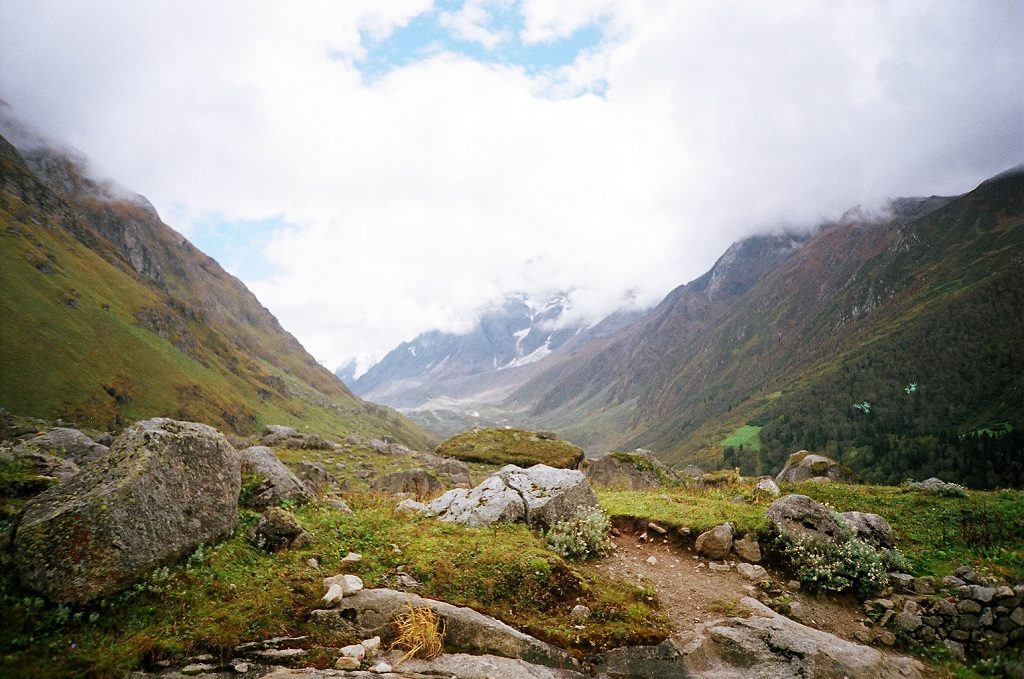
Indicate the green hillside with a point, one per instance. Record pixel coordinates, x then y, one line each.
111 316
819 347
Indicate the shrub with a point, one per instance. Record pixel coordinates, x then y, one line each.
582 536
849 565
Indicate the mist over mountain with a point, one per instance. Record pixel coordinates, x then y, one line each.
771 350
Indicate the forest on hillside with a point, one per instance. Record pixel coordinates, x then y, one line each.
935 398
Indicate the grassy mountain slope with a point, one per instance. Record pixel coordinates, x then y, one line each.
930 295
110 316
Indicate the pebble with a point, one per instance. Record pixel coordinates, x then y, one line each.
381 668
652 561
352 557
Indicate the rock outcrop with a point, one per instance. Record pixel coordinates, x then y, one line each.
764 644
539 496
807 466
798 516
278 482
638 470
371 612
164 488
70 444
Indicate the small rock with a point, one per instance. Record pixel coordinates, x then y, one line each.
656 528
371 646
352 557
579 612
864 635
748 549
715 543
886 638
346 663
240 667
381 668
796 611
406 580
793 585
767 485
751 571
356 651
313 563
968 606
652 561
197 668
720 567
410 505
923 586
349 584
955 648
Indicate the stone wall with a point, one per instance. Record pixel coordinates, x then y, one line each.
970 618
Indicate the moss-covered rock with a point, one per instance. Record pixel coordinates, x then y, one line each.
807 466
638 470
512 446
165 488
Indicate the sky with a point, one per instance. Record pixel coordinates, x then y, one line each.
373 169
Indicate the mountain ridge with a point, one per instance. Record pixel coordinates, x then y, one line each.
90 265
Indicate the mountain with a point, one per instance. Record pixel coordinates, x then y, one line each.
449 381
109 315
888 341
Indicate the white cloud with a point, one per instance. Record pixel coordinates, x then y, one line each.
418 198
472 22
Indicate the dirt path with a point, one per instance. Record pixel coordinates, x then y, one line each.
691 592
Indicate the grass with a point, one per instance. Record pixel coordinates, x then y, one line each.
747 436
233 593
511 446
71 306
935 534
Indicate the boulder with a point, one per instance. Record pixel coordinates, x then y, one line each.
871 528
416 482
767 644
490 502
540 496
164 488
768 486
748 549
276 530
798 516
449 471
44 464
807 466
638 470
940 487
715 543
278 482
274 434
371 612
70 444
314 475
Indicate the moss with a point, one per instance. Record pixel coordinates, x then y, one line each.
511 446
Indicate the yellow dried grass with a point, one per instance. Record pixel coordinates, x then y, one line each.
419 633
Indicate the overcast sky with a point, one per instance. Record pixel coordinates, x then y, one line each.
373 169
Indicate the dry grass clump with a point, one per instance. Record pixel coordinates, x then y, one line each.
419 633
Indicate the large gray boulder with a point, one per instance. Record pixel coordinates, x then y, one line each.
164 488
764 644
807 466
278 482
767 644
871 528
798 516
371 612
540 496
638 470
70 444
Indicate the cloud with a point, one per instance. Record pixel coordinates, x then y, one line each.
472 22
411 200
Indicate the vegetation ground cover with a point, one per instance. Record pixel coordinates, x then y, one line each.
233 592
